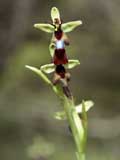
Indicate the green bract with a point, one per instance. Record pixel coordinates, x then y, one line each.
45 27
69 26
55 14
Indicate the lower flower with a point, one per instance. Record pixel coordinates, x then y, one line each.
62 77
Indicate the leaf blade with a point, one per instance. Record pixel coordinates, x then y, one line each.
40 73
88 105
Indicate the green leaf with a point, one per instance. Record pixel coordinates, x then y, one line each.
69 26
48 68
72 63
60 115
52 49
88 105
40 73
55 13
45 27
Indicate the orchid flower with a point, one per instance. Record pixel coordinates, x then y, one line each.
59 38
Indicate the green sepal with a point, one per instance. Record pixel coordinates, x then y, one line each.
48 68
72 63
88 104
55 13
69 26
45 27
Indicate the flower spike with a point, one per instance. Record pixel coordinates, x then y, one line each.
76 115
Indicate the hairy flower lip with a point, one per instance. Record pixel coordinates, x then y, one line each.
60 57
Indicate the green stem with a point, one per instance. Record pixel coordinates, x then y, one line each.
77 128
78 125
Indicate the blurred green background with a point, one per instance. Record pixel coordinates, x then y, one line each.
27 105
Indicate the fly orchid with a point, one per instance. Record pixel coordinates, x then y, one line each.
59 38
76 115
61 75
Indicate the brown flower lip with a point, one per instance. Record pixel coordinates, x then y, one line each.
60 56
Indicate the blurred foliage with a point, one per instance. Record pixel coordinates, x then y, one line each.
27 105
40 148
